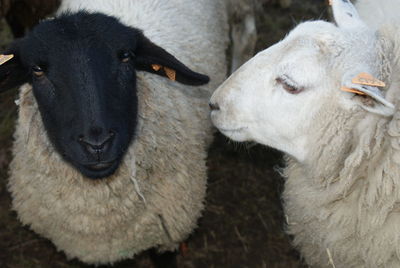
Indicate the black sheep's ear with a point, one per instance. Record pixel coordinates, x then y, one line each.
12 72
154 59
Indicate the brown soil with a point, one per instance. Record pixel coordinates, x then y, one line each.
243 223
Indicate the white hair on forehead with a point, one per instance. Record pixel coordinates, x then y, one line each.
316 34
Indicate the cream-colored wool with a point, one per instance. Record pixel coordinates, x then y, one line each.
157 194
345 199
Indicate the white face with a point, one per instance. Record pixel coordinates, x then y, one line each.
274 98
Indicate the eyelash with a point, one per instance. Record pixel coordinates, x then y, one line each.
290 88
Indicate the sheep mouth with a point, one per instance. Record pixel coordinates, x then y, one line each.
99 170
99 166
225 130
237 134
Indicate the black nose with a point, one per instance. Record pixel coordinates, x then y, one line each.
98 144
214 106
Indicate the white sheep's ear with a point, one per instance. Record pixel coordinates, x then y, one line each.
346 15
368 88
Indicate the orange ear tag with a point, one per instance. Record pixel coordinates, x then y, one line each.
352 90
170 73
368 80
5 58
156 67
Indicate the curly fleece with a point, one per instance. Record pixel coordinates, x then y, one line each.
343 203
157 194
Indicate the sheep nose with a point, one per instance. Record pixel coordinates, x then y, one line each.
214 106
96 147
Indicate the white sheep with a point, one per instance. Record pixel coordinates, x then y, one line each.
156 195
328 95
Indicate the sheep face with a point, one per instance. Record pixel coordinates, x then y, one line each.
274 98
83 71
271 98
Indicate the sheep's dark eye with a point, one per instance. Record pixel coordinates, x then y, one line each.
37 71
125 56
288 87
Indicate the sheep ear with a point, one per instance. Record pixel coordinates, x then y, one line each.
154 59
12 72
370 96
346 15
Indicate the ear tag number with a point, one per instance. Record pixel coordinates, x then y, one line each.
171 74
5 58
368 80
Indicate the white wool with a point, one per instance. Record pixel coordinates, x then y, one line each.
342 189
375 12
156 196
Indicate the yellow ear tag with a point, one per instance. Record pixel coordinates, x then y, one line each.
170 73
156 67
5 58
368 80
352 90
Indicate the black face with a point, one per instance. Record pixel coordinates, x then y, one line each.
82 67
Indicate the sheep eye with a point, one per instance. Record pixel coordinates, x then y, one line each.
125 56
288 87
37 71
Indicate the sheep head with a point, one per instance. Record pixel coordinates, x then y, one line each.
273 98
82 68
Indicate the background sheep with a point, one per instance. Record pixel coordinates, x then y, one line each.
342 193
243 31
156 195
242 22
24 14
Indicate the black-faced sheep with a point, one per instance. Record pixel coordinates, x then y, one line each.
328 96
108 158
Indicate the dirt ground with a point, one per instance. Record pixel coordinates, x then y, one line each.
243 223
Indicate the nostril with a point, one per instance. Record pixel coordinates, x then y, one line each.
214 106
95 147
